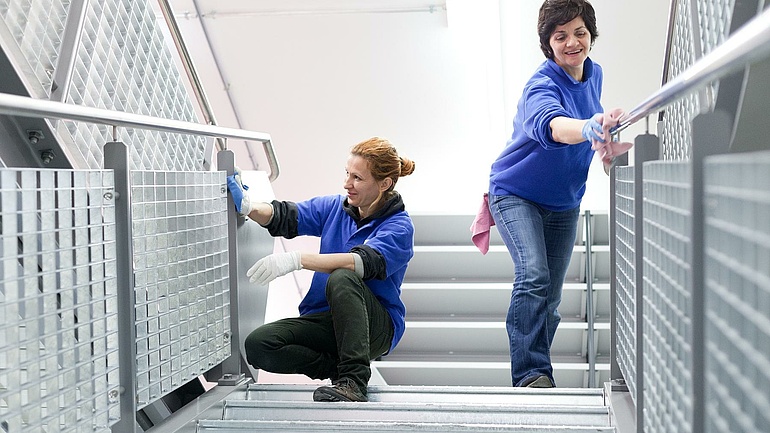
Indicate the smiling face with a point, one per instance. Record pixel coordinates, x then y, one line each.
364 191
571 43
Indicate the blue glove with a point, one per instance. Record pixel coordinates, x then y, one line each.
592 129
238 192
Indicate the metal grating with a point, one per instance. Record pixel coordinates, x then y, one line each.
714 22
181 277
713 27
123 64
58 330
37 27
737 293
675 133
625 256
667 317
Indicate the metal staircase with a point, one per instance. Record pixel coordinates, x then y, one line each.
457 299
289 408
450 373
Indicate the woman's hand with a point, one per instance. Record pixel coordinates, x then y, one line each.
593 129
273 266
238 193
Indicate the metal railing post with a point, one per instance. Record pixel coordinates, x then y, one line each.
590 303
646 148
116 157
711 136
231 370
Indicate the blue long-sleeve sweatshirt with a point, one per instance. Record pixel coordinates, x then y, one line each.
388 234
535 167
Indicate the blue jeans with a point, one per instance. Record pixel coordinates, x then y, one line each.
541 243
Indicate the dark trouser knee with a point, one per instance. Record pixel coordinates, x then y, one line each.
256 350
341 281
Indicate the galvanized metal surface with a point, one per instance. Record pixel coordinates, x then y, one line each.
465 413
384 427
59 302
445 394
737 293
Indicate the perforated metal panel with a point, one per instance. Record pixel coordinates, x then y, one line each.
181 277
625 257
738 293
676 133
124 64
37 27
711 26
667 320
58 330
714 22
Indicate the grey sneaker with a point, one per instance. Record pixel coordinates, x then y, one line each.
541 381
344 389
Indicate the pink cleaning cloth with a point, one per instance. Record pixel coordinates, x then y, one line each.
481 225
610 149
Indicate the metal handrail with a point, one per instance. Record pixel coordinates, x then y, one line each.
750 43
15 105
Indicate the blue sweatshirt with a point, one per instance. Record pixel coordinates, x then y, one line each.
389 233
535 167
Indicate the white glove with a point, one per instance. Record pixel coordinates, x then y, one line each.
273 266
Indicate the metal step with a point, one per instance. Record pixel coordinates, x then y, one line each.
443 394
440 372
484 338
455 229
464 263
482 301
449 413
447 230
236 426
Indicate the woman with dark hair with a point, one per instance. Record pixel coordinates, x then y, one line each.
538 181
353 311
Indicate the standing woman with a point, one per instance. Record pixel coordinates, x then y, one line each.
538 181
353 311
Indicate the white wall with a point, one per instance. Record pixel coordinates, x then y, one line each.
441 86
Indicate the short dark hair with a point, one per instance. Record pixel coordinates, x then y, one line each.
554 13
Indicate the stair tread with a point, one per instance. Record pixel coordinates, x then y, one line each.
493 324
490 413
476 285
388 426
417 394
471 359
506 364
419 406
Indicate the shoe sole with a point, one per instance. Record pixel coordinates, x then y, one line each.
541 382
331 396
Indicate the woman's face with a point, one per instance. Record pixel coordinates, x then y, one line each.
363 189
571 43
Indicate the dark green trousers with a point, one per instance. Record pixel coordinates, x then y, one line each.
333 344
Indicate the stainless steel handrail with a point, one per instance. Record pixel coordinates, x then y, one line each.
15 105
750 43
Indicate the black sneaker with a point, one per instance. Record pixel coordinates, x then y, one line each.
541 381
344 389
